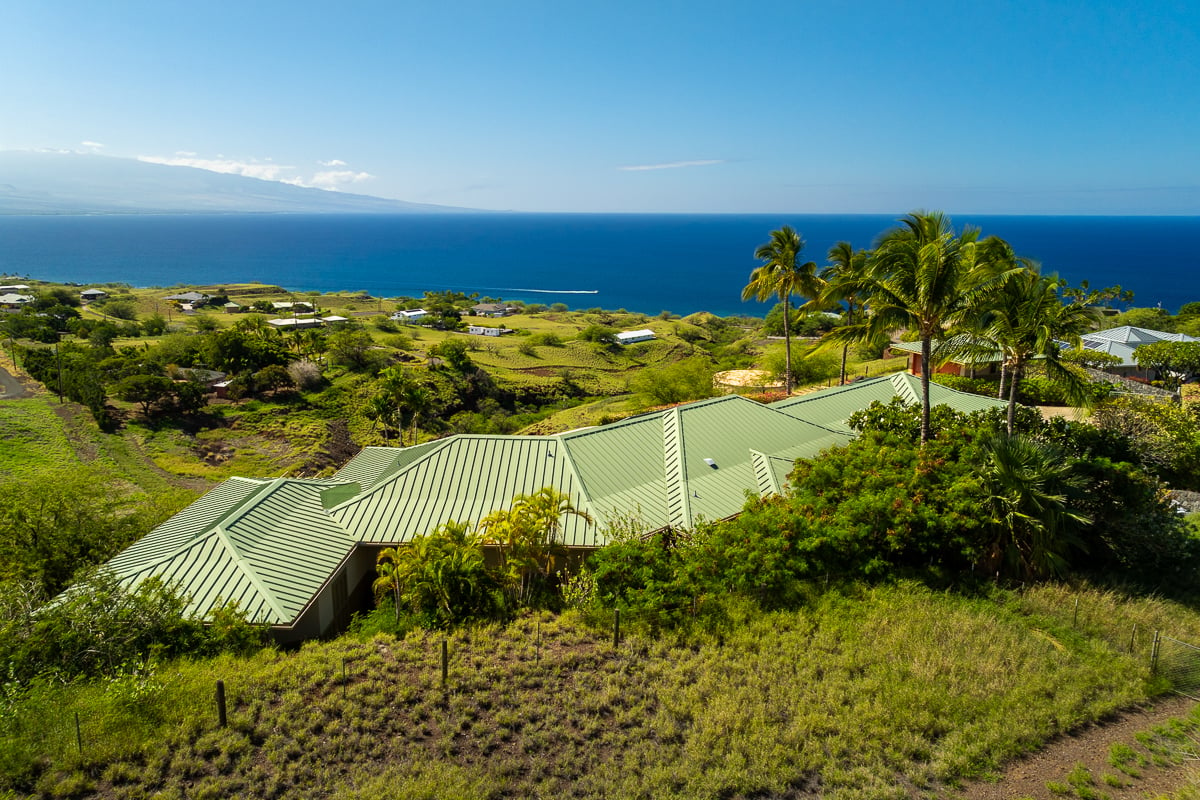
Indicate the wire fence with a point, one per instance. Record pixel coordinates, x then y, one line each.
1179 663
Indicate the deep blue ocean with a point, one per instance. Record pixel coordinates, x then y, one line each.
648 263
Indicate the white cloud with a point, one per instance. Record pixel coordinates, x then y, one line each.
267 170
673 165
335 180
251 169
93 145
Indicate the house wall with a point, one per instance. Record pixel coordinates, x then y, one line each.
347 592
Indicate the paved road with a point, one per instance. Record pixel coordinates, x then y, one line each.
10 387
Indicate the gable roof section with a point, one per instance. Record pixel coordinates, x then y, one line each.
714 446
651 468
832 408
374 464
465 478
620 469
268 545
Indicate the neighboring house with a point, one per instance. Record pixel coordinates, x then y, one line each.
299 555
632 337
1122 341
13 301
410 316
292 323
16 288
193 299
493 310
232 308
210 379
981 368
298 307
483 330
88 295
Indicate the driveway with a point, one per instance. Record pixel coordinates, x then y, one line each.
10 387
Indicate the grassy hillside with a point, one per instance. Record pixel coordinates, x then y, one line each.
869 692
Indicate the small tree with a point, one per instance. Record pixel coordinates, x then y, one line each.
145 390
1172 362
272 378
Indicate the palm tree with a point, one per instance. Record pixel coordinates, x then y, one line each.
527 538
924 277
1029 510
781 275
845 282
410 397
1026 320
389 568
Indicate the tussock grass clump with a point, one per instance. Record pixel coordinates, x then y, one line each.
865 690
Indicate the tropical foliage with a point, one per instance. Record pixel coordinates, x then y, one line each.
782 275
440 577
925 277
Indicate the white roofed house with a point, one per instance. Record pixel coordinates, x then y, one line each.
631 337
13 301
409 316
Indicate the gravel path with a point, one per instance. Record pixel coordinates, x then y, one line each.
1090 747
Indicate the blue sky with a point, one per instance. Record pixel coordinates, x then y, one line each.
970 107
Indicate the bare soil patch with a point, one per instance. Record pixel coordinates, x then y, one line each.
1090 746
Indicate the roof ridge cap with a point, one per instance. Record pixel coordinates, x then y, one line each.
248 569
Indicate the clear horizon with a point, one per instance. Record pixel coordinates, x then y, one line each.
871 108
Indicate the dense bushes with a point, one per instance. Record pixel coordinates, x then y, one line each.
99 627
973 504
1034 389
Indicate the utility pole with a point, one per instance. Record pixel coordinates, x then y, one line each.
58 359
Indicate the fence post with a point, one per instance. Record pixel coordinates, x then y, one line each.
78 734
1075 619
221 718
537 645
616 628
445 662
1132 637
1154 655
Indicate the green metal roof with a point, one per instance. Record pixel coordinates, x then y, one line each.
373 464
833 407
651 467
464 478
271 545
268 545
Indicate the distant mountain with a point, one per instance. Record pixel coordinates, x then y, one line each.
76 183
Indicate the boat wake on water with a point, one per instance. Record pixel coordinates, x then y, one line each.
541 291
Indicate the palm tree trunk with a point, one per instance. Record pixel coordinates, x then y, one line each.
787 347
845 348
926 371
1014 379
1003 369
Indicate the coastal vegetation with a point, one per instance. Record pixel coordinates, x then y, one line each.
944 594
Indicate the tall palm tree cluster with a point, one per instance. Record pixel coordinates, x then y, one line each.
962 296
